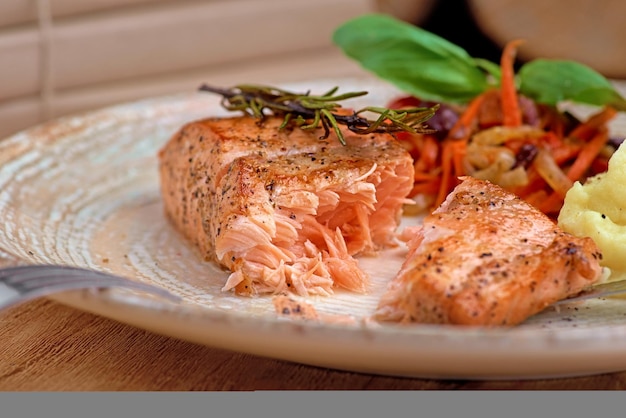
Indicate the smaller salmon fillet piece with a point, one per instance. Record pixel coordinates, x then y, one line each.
282 209
486 257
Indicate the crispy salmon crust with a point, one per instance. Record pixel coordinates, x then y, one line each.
282 209
485 257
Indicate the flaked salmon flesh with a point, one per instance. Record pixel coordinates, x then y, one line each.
282 209
485 257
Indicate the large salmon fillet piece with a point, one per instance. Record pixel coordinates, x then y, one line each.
485 257
282 209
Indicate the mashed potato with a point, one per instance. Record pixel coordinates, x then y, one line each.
597 209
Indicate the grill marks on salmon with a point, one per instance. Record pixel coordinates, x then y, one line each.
485 257
280 208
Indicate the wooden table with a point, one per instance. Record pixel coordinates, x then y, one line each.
47 346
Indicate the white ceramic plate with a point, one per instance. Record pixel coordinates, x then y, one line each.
84 191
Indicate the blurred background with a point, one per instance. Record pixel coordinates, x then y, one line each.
59 57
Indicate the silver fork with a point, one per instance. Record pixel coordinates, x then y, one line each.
22 283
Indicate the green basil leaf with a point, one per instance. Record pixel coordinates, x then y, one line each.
416 61
490 67
553 81
601 96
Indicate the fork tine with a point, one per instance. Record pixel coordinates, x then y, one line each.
31 281
29 272
39 280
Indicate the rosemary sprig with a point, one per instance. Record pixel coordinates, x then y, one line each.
310 111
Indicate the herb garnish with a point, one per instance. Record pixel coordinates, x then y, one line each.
309 111
427 66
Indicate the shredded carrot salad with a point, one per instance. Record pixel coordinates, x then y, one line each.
531 149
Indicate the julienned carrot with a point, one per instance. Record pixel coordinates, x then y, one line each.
446 172
427 188
429 152
588 153
587 129
451 151
458 157
426 177
552 141
535 182
510 106
452 167
453 147
553 122
536 197
550 205
464 125
565 152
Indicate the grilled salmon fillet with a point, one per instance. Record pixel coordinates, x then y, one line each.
485 257
282 209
